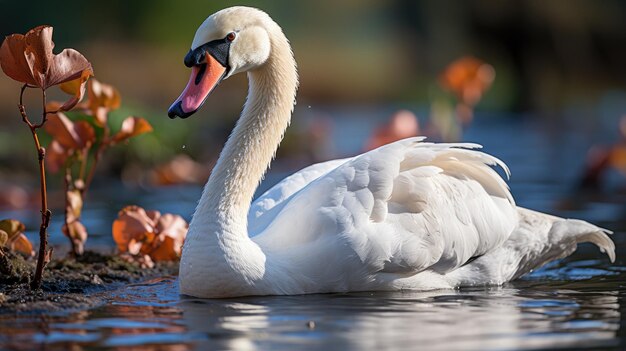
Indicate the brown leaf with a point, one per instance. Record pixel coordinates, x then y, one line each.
85 132
131 127
76 88
22 245
56 156
102 99
77 232
15 238
73 206
132 224
70 135
141 232
12 227
166 250
29 59
13 60
175 228
4 238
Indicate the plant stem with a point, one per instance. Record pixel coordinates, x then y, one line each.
68 184
104 143
44 255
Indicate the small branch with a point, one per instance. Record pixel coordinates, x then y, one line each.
44 115
84 158
44 255
104 143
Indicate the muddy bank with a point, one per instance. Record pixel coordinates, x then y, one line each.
68 283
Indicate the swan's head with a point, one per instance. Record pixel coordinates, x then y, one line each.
233 40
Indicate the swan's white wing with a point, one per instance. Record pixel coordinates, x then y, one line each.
264 208
403 208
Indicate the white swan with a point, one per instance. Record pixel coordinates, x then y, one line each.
409 215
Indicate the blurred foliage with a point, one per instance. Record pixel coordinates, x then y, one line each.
550 58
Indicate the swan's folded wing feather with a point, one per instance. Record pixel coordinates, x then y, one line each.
266 206
403 208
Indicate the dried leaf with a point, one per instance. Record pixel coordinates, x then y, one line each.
131 127
132 224
22 245
74 205
86 133
76 88
12 236
166 250
102 99
12 227
29 59
4 238
175 228
56 156
70 135
77 232
141 232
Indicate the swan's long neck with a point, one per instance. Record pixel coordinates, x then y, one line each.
252 145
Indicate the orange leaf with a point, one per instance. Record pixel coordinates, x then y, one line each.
68 134
166 250
141 232
131 127
76 88
174 227
132 224
29 59
22 245
468 78
15 240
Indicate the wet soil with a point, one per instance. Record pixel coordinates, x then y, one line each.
68 283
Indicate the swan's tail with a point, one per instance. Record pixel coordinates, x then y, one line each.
538 239
542 238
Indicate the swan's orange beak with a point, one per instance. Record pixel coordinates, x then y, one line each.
204 78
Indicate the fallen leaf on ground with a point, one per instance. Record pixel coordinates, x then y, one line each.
12 236
140 232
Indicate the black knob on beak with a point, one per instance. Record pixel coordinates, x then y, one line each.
176 110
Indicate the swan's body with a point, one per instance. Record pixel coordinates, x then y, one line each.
408 215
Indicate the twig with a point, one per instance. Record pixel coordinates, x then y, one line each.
44 255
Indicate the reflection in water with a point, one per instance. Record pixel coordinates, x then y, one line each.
554 307
497 318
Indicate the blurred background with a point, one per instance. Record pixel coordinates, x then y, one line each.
541 84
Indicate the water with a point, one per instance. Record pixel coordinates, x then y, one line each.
576 303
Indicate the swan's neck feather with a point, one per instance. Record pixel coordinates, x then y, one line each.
251 146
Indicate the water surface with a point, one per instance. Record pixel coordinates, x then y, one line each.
576 303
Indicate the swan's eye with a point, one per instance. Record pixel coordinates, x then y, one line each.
231 36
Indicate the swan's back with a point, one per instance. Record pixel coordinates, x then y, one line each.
401 209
